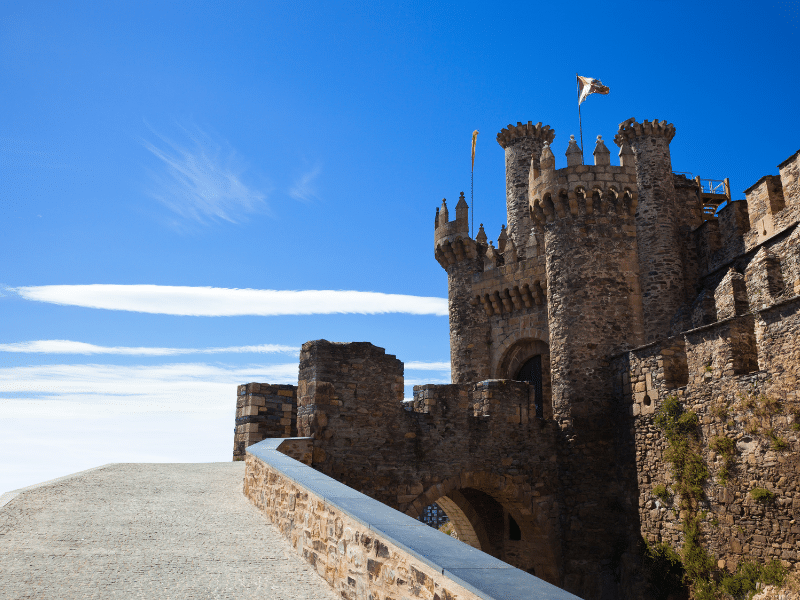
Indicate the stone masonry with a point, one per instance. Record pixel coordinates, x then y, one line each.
613 290
263 411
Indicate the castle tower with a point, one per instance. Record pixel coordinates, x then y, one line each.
660 263
462 257
593 293
522 144
594 311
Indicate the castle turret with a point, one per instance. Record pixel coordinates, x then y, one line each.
660 262
462 257
522 144
594 311
593 293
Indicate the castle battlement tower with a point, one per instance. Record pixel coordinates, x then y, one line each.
660 262
462 257
587 213
522 144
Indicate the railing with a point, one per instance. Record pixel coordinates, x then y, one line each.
716 187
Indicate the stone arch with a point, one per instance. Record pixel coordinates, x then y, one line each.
536 518
511 340
519 351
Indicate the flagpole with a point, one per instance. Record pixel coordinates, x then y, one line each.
472 200
580 119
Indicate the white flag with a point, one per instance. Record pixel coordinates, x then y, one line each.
587 85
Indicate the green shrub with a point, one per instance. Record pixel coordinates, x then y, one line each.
743 582
727 448
697 562
778 443
665 573
662 493
674 421
724 445
770 405
773 573
762 495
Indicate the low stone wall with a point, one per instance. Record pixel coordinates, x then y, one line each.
363 548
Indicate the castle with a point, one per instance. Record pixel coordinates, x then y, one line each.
615 295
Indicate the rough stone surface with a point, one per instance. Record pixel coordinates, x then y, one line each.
148 531
263 411
367 551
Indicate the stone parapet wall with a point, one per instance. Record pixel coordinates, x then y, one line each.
263 410
365 549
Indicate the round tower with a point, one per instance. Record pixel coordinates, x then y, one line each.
593 294
462 257
660 263
594 311
522 144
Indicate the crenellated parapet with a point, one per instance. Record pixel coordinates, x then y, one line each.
452 243
513 133
582 190
631 129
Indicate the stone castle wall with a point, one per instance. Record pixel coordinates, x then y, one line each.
753 409
596 261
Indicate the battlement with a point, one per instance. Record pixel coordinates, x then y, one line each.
511 134
581 190
630 129
452 242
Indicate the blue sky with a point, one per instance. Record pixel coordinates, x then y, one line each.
183 186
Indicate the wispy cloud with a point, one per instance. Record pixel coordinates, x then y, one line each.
423 366
226 302
72 347
201 178
304 188
75 391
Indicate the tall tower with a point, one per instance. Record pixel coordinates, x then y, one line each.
462 257
522 144
660 263
593 293
594 311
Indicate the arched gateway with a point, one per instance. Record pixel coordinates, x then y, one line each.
491 513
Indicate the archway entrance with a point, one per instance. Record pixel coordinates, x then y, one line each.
531 372
529 360
483 522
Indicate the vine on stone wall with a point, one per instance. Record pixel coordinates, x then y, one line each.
684 453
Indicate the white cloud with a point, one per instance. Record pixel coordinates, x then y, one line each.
226 302
423 366
201 179
304 189
72 347
88 390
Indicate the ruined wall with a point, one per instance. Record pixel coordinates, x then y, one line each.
475 437
774 202
263 410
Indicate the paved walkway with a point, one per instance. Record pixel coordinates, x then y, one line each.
148 531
